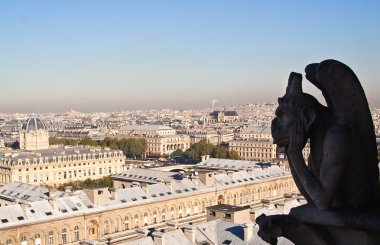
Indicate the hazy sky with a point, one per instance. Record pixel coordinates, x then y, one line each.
120 55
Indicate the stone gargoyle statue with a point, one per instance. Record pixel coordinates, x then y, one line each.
341 178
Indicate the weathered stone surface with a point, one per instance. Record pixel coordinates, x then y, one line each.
341 179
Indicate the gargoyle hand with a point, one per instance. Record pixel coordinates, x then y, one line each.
297 138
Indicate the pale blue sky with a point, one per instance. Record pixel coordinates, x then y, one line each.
118 55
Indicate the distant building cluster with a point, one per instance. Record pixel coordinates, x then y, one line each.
40 164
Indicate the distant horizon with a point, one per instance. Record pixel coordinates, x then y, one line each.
94 55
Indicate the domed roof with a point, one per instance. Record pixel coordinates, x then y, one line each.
33 123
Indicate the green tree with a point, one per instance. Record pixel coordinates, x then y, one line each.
177 153
88 141
196 151
232 154
133 147
220 152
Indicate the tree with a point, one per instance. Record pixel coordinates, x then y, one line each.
89 141
177 153
203 147
133 147
233 155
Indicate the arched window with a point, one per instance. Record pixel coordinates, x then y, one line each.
116 225
106 226
64 235
196 207
126 223
241 198
37 239
188 209
203 206
51 238
163 215
136 221
180 212
172 213
145 219
76 233
154 217
235 197
23 240
9 242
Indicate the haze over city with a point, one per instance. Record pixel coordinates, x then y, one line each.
121 55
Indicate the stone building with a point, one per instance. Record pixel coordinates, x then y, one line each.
154 205
34 135
221 117
254 149
55 166
162 140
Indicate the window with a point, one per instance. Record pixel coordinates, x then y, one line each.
105 227
163 216
136 221
126 223
9 242
76 233
37 239
180 212
145 219
23 240
64 235
154 217
116 225
51 238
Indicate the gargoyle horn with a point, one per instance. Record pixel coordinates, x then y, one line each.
294 85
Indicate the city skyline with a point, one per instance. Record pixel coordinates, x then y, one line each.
129 55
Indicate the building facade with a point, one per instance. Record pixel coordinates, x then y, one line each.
34 135
254 149
59 165
162 140
139 207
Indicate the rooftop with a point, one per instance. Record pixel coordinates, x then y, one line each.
227 208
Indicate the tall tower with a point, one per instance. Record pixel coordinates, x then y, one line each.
33 135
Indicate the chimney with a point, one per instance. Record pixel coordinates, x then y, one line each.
52 197
113 195
248 231
158 238
250 172
169 185
266 169
265 203
203 158
230 174
68 189
207 157
195 180
135 184
280 208
252 215
141 233
172 225
25 207
145 188
288 197
189 232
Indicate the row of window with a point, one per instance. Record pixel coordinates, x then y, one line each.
51 238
